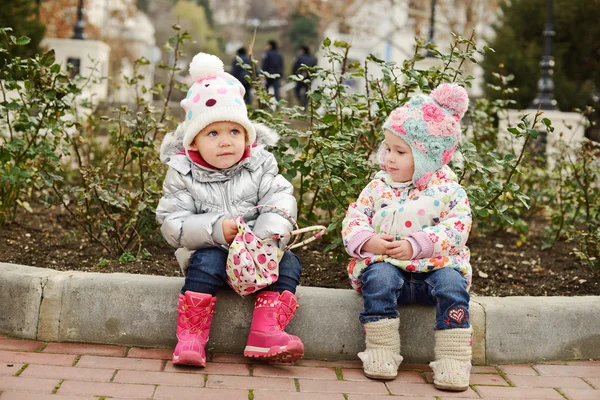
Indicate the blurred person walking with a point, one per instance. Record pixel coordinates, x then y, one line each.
273 64
304 58
240 73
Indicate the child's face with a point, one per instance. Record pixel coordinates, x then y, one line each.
221 144
399 160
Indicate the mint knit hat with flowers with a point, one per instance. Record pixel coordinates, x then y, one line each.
214 96
430 125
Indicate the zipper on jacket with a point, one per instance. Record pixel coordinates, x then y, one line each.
226 200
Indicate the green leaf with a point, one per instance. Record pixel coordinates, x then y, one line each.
512 186
533 133
523 198
341 44
13 105
25 205
508 219
23 40
102 262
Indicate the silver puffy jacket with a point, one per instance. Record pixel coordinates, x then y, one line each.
197 199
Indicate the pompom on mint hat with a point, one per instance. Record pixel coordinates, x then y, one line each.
214 96
430 125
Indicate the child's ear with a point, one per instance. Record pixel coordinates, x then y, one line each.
193 146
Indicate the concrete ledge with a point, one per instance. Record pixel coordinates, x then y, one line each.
139 310
21 293
520 329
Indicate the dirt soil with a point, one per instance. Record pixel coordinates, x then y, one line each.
49 238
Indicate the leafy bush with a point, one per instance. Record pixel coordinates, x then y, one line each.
111 188
331 157
114 192
36 98
575 207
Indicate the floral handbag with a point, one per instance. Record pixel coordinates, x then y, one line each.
253 263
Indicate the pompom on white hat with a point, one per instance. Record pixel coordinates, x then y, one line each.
214 96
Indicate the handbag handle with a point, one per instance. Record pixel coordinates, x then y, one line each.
297 231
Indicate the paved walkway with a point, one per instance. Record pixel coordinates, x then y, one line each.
66 371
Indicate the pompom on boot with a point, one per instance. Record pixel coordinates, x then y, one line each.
452 365
267 339
381 357
194 316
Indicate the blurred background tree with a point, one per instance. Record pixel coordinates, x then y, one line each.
194 18
22 16
304 30
519 46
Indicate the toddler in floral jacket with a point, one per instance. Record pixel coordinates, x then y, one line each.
406 234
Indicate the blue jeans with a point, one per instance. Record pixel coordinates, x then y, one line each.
206 272
385 286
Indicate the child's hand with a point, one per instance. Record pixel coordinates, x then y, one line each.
378 244
229 230
400 250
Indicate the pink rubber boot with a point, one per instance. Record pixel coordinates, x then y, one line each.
194 316
267 340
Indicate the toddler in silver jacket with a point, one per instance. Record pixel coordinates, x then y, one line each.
219 168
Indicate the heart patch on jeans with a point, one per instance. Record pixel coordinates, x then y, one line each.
457 315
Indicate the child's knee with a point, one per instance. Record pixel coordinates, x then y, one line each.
290 263
208 254
447 280
382 275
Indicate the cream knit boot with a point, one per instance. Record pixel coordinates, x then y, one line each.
452 365
382 358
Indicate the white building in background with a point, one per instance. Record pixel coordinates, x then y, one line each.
123 23
231 16
387 29
230 12
131 35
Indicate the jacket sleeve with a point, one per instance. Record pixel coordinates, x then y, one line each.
181 226
357 225
450 235
274 190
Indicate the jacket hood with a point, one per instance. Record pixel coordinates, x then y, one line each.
444 175
173 141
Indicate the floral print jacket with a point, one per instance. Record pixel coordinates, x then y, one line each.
436 215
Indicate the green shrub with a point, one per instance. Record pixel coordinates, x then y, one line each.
35 103
111 188
330 156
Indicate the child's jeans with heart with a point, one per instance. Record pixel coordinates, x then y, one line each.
206 272
385 286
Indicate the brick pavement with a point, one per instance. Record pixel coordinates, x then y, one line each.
64 371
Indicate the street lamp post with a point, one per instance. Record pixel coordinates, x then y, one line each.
80 24
545 97
431 27
74 63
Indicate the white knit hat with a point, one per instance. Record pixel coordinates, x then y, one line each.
214 96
